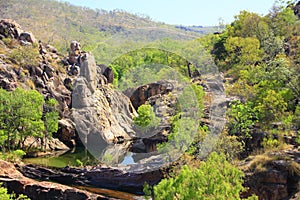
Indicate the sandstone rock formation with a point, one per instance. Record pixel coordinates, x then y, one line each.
278 178
74 54
141 94
15 182
67 132
118 178
88 71
99 114
10 29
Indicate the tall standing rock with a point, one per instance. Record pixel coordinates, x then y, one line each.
101 115
89 71
74 52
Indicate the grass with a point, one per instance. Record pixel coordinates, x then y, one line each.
30 83
262 162
294 168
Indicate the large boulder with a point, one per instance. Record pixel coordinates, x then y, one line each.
109 74
101 115
10 28
27 37
141 94
67 132
74 53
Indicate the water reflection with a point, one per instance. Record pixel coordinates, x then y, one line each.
125 154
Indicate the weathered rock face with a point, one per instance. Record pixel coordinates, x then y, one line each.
67 132
15 182
10 29
108 73
88 71
279 179
297 9
118 178
27 37
49 145
74 53
99 114
8 77
144 92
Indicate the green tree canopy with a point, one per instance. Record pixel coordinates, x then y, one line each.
21 116
214 179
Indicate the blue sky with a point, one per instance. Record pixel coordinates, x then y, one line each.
185 12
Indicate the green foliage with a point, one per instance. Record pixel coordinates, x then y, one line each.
51 117
147 189
231 145
246 24
296 119
258 54
5 196
146 117
242 119
242 50
146 63
271 107
270 143
183 133
14 156
79 163
191 97
283 21
185 127
215 179
20 116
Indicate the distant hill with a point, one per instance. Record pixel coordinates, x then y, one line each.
58 23
198 29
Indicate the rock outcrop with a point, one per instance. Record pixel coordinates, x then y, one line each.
273 179
100 114
10 29
296 9
104 110
15 182
128 179
141 94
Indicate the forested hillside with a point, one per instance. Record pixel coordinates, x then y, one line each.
260 58
58 23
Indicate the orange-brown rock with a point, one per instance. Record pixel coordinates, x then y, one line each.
15 182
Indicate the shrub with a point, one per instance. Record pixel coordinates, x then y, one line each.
270 143
5 196
214 179
146 117
14 156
